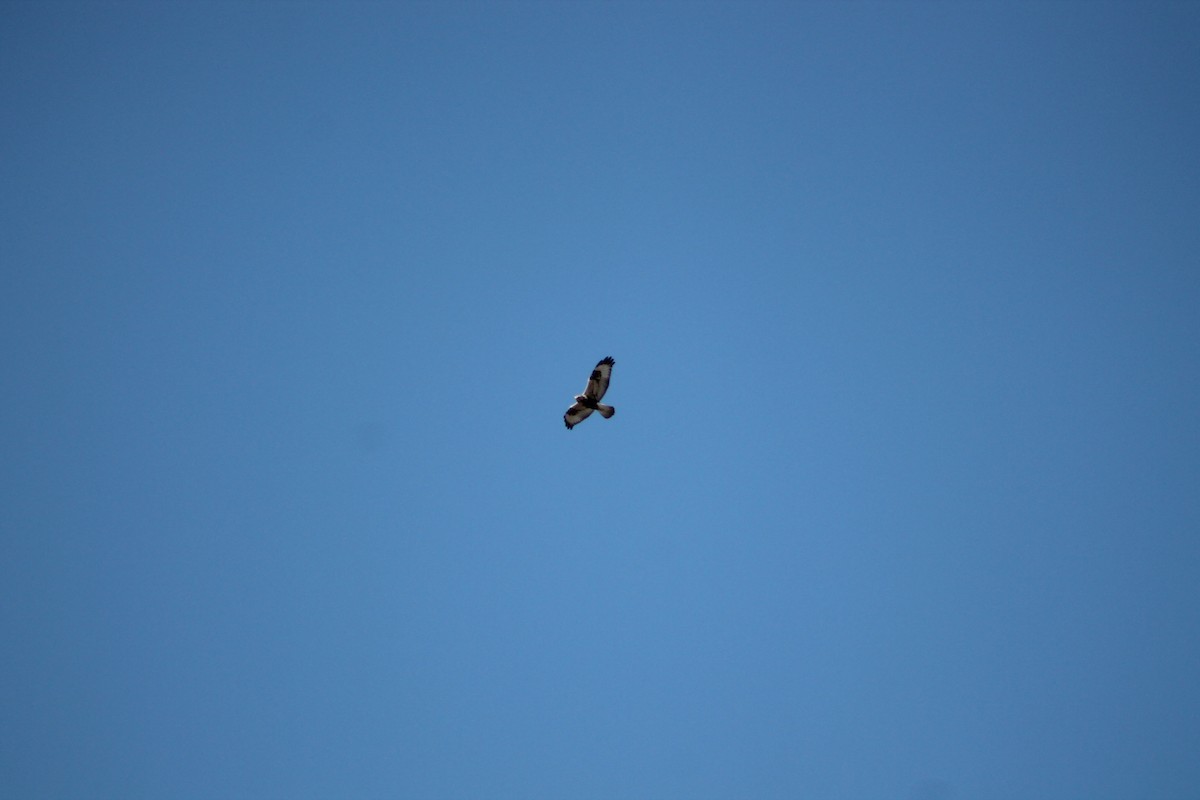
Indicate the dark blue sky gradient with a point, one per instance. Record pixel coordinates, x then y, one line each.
902 495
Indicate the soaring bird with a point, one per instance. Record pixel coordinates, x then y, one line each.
589 401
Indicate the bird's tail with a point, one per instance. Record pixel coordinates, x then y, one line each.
605 411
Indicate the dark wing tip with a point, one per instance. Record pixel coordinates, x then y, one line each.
606 360
567 423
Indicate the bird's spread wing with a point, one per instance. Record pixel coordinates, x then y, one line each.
576 414
597 384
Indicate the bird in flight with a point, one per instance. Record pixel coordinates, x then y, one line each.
589 401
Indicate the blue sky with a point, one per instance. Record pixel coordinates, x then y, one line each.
902 494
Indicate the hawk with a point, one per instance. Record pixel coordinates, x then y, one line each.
589 401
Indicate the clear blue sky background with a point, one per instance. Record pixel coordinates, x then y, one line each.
902 495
